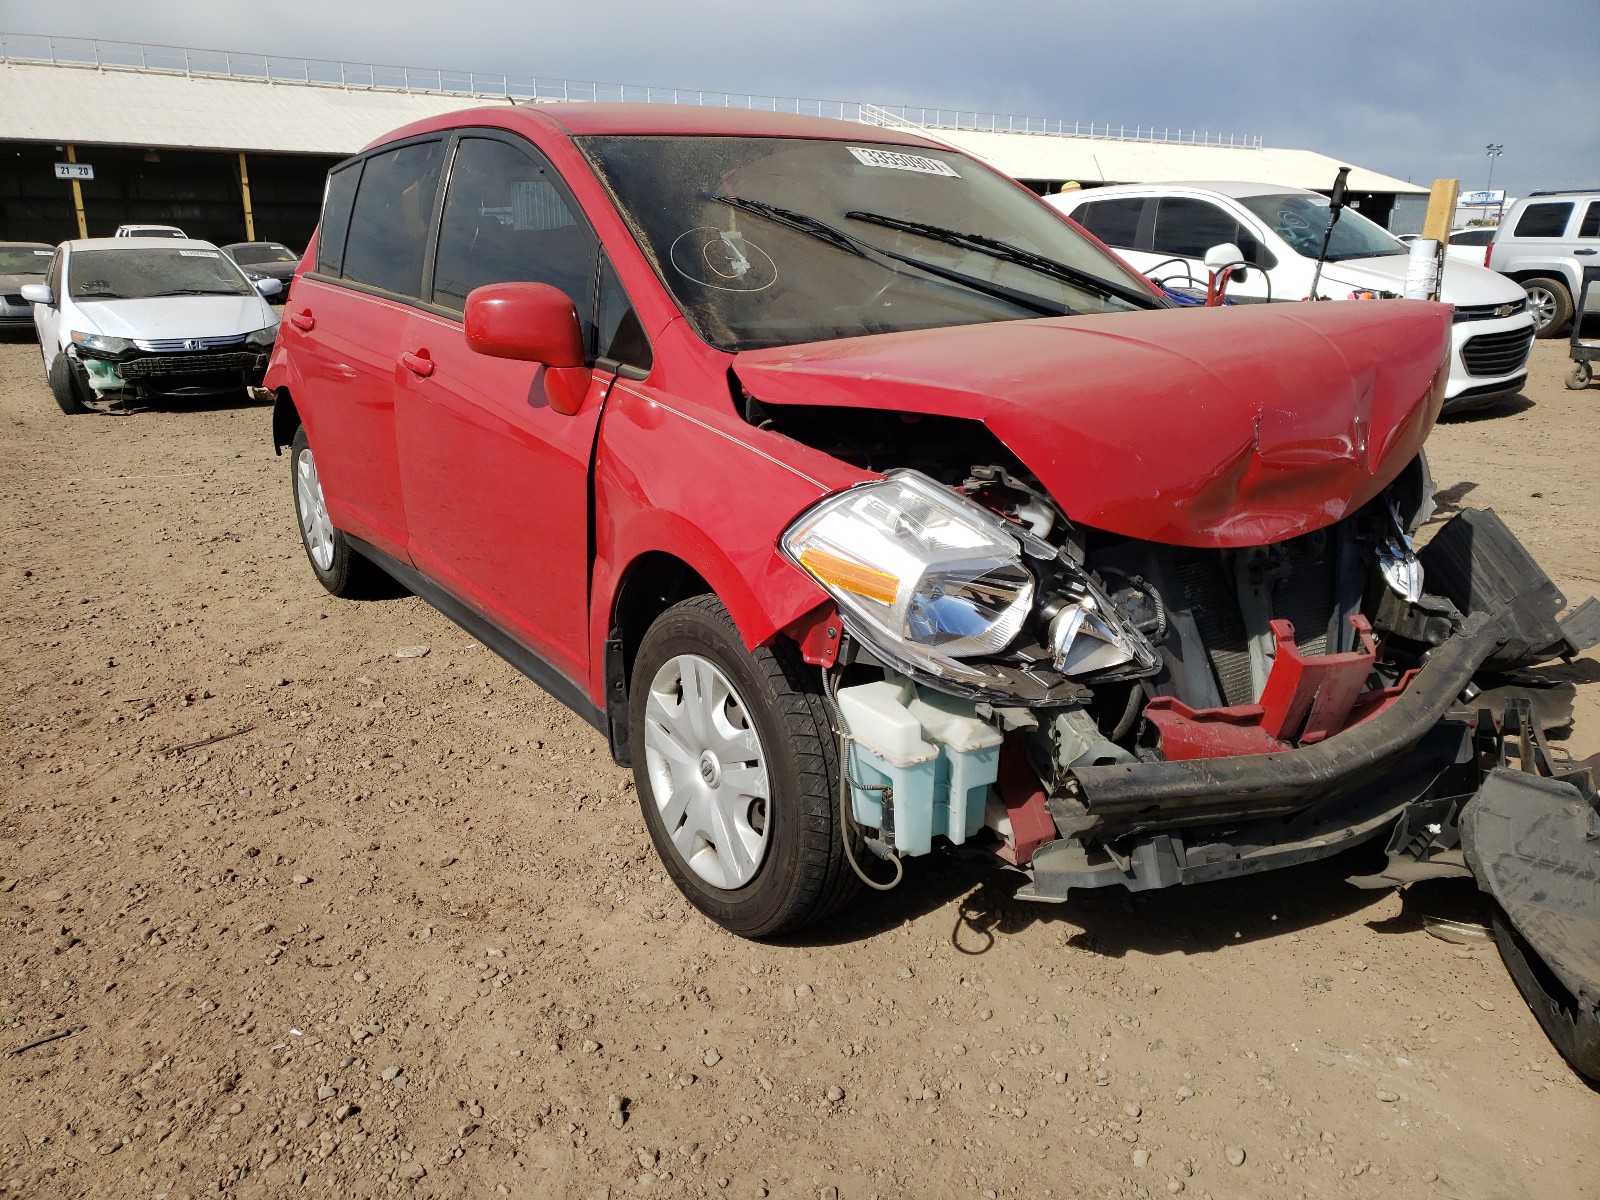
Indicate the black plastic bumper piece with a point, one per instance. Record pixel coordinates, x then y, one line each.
1534 845
1129 797
1437 777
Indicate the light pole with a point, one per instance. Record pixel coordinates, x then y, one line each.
1494 150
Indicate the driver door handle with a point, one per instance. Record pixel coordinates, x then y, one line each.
1585 250
419 364
303 320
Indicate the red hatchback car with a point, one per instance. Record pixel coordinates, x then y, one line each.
867 506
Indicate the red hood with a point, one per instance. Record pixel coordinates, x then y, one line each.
1196 427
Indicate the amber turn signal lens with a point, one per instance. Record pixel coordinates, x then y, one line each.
851 576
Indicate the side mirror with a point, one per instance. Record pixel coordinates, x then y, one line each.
38 293
269 287
1225 255
532 322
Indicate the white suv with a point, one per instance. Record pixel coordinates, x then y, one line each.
1544 243
1164 231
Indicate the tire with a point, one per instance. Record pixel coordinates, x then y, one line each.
774 862
1578 378
336 564
66 386
1550 303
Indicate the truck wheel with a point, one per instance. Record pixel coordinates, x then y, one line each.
66 386
1550 304
737 767
336 564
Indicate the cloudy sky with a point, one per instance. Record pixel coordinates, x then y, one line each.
1413 88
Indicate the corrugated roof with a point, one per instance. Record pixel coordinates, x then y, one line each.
121 107
81 104
1097 160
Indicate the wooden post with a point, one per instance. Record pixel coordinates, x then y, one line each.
77 194
244 186
1436 225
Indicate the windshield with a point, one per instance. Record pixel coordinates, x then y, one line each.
1301 221
25 260
264 252
141 274
774 241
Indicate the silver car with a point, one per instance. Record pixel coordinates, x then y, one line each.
1544 243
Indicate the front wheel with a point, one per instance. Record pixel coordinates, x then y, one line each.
736 767
337 565
1550 303
66 385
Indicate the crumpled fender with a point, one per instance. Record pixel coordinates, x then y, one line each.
705 487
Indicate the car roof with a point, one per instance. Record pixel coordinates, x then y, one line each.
135 243
1237 189
579 120
146 225
1564 192
26 246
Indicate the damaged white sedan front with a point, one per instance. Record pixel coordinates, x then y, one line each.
126 318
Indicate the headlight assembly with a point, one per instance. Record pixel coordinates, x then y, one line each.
263 338
100 345
920 574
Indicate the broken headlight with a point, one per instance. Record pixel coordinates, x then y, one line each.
920 574
1088 637
100 344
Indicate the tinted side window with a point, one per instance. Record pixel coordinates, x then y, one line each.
1473 237
1191 227
505 220
1114 222
1543 220
621 337
336 204
1591 220
389 225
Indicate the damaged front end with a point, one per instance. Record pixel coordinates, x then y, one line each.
1105 711
116 368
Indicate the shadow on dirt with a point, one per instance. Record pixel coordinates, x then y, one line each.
1509 407
1111 922
179 405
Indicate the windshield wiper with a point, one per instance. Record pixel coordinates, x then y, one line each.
822 231
197 292
1008 253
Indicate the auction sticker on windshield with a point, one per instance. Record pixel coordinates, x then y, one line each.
902 162
197 253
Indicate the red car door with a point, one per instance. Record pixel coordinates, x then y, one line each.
348 317
495 481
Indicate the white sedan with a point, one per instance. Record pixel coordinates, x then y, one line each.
149 317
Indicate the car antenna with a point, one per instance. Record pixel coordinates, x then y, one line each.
1335 207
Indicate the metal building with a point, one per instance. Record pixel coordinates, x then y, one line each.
234 146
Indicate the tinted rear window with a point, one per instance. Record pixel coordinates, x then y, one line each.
336 218
1543 220
1591 220
1114 222
389 224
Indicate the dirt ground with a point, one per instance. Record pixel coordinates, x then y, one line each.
400 931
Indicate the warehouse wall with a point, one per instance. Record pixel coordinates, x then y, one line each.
197 190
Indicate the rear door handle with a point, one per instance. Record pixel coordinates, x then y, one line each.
303 320
418 364
1585 250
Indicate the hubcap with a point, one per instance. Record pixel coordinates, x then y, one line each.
708 775
315 526
1543 305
